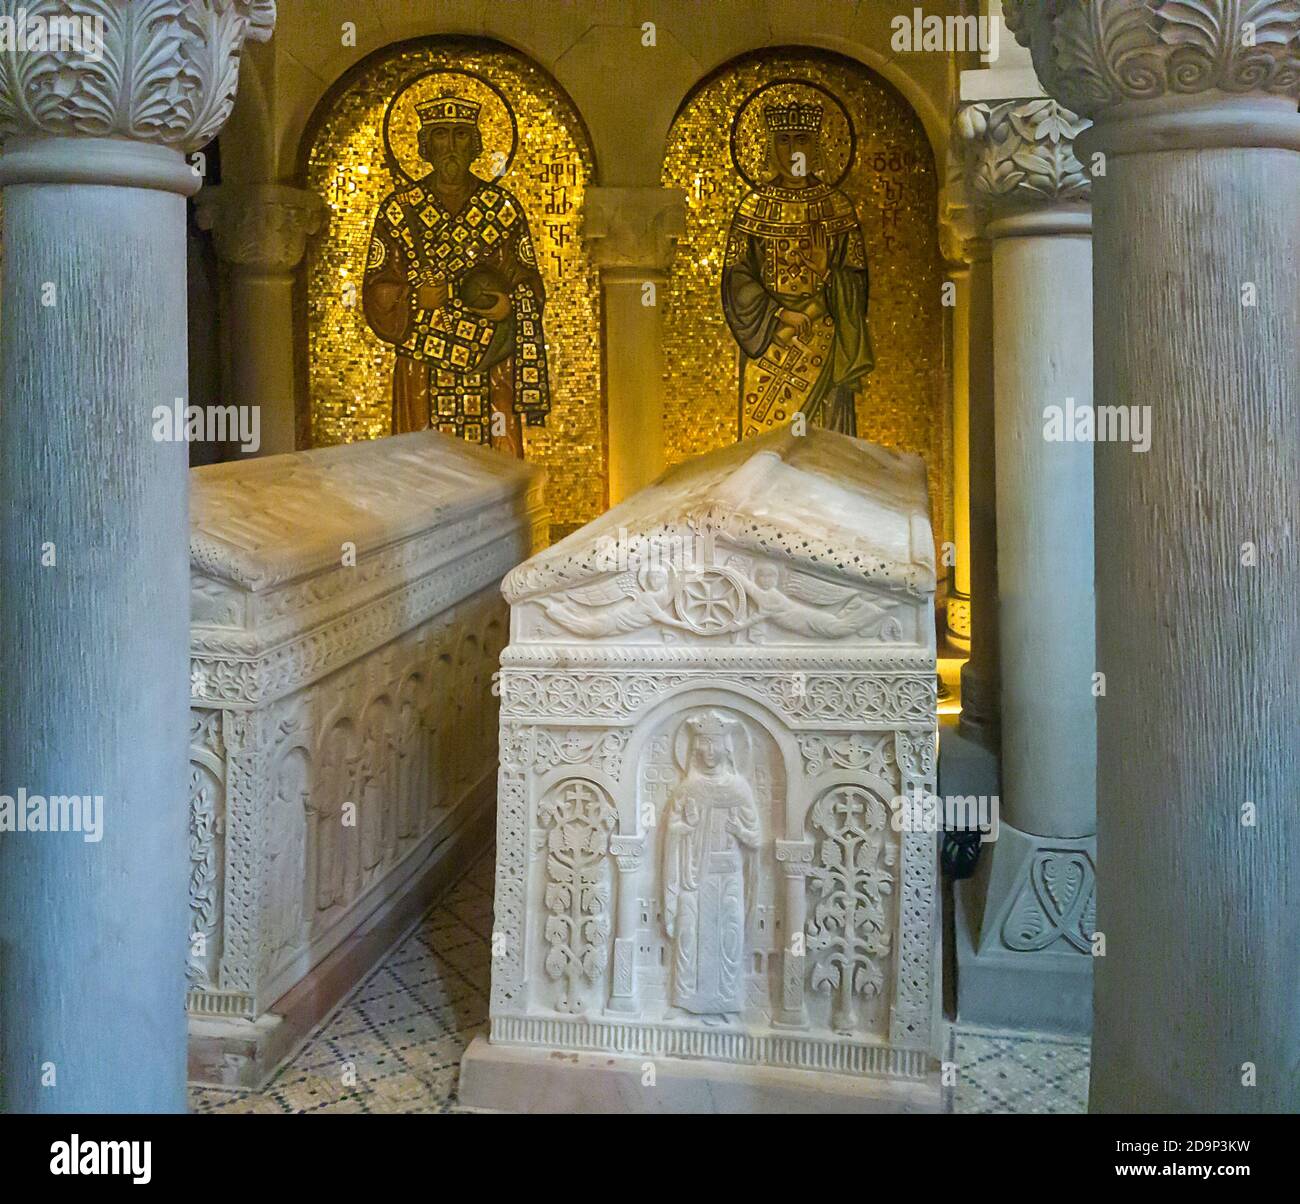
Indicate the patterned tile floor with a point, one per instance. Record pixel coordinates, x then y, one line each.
395 1044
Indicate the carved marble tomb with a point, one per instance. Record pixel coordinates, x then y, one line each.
346 627
713 700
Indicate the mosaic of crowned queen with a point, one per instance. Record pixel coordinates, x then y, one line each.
794 286
452 284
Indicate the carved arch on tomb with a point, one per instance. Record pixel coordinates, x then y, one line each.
374 787
333 845
733 697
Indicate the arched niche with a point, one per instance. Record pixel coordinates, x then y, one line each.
893 183
347 369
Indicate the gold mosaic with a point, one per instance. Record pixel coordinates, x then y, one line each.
891 180
349 370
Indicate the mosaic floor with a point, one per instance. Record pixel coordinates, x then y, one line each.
395 1044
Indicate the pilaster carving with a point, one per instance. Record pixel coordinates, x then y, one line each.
580 817
1020 153
634 229
263 227
166 75
1094 55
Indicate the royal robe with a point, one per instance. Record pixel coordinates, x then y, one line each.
817 371
711 820
455 368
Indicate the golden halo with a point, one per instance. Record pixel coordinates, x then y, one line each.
839 139
496 122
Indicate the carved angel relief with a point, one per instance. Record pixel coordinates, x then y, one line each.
745 598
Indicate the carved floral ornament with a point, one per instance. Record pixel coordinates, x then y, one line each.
1022 152
160 71
1095 54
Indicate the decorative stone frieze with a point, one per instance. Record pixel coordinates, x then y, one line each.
711 709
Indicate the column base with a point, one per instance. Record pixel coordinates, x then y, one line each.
1020 922
512 1078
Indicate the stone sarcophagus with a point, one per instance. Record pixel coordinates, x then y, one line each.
715 702
346 625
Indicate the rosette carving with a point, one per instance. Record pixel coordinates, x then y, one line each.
159 71
1094 54
1020 153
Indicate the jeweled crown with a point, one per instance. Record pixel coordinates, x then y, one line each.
448 109
793 117
707 725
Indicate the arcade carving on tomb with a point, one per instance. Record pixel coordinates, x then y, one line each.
343 710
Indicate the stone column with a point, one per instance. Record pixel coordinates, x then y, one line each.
969 760
958 610
1198 615
261 232
980 684
1026 917
632 232
628 853
795 859
94 633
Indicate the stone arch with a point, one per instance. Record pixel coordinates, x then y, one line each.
732 696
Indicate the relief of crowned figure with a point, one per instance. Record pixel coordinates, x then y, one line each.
711 821
794 281
452 284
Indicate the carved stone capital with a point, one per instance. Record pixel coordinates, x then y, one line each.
1019 154
795 857
1100 57
634 229
162 73
263 227
628 852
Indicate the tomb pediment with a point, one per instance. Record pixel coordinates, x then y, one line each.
778 540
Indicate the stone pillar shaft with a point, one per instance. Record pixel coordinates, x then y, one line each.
959 590
628 853
1202 697
632 231
1198 617
94 933
795 858
261 232
980 689
94 552
1042 283
1023 920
